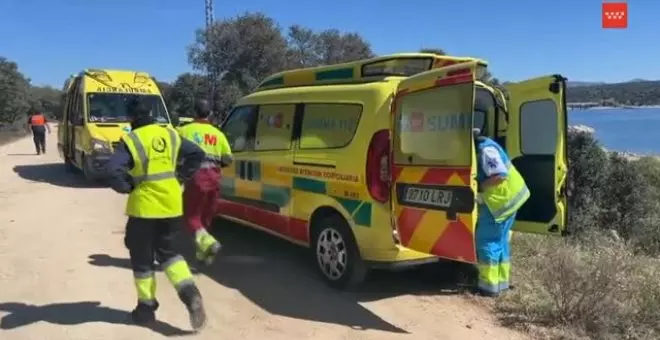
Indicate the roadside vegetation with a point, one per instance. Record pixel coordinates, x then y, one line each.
601 282
18 97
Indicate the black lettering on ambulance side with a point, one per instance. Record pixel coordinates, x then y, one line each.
122 90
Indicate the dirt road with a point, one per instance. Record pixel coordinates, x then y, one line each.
64 275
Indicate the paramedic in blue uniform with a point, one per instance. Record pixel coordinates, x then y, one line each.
502 191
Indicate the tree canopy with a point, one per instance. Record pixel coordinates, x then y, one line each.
14 92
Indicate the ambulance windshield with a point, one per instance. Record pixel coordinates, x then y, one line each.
112 107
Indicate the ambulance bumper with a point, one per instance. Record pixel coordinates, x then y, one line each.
397 258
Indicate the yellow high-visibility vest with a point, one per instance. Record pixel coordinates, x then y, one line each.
157 192
209 138
507 197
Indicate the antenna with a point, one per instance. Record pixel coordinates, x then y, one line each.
211 72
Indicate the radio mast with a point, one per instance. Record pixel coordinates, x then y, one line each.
211 72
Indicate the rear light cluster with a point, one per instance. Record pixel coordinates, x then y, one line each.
378 166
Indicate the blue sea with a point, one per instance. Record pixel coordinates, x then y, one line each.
633 130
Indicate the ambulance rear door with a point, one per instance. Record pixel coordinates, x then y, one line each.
433 162
536 141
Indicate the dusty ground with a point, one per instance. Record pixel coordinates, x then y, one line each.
63 275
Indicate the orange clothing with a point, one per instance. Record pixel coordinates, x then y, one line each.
37 120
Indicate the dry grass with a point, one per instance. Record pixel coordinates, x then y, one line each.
591 288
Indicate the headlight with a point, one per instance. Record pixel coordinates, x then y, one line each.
100 145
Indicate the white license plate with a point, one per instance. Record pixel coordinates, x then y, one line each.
427 196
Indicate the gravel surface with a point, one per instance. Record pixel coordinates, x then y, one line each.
64 275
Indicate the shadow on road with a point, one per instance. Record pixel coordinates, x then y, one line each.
53 173
277 277
22 154
73 313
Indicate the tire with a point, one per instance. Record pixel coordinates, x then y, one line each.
87 173
335 253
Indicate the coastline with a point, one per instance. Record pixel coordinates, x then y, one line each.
623 107
629 155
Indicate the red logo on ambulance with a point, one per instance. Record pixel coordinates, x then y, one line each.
417 122
275 121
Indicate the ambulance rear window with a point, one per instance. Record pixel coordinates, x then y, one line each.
434 127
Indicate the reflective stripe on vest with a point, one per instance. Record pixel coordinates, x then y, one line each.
144 160
501 212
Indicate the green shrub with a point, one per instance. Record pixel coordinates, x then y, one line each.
593 287
602 282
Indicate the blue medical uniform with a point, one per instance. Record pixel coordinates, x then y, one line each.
492 241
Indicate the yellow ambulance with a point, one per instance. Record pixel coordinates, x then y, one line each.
371 164
94 115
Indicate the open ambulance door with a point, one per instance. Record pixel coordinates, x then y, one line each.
536 142
433 162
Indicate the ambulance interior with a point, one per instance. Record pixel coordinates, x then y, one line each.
490 115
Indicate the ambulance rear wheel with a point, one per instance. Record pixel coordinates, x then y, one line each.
336 254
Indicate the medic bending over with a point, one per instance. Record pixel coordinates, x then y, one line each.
502 191
200 194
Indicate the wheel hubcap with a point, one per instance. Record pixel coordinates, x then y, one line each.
331 253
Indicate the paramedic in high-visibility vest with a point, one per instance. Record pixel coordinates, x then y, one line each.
38 124
144 166
200 195
502 191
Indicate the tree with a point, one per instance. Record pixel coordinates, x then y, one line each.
185 90
246 49
165 89
333 47
46 100
243 50
302 44
14 92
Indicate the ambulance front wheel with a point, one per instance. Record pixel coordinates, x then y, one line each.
336 254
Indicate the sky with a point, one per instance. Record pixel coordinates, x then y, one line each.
521 39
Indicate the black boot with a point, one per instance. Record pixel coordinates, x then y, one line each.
192 298
144 314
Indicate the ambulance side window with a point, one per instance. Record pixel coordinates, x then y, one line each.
71 101
538 127
77 107
239 128
274 127
329 126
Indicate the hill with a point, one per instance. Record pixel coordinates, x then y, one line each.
634 93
